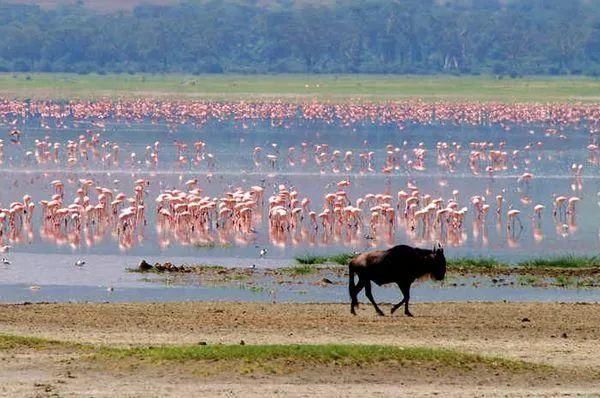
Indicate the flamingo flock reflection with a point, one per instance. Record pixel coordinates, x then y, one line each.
187 216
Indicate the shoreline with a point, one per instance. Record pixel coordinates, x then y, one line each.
336 88
478 280
135 348
579 272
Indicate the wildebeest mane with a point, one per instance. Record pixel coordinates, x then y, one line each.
394 253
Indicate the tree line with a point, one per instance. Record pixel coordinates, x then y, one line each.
502 37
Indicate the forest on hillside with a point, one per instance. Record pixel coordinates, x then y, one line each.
501 37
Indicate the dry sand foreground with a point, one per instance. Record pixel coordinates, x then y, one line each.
565 336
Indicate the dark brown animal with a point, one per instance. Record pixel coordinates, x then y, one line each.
401 265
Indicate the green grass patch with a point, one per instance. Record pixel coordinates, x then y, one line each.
300 270
565 281
207 360
325 354
247 358
529 280
480 262
308 259
341 259
252 288
11 342
569 261
209 267
142 271
299 87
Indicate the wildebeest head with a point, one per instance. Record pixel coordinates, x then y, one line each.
438 270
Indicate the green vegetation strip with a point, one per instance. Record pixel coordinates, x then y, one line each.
562 262
468 262
325 354
568 261
10 342
321 354
341 259
298 87
300 270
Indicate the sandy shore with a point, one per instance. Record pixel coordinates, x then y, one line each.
564 336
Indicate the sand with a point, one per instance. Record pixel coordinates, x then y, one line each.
564 336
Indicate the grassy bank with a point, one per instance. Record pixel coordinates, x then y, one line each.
340 259
562 271
299 87
274 357
567 261
319 354
13 342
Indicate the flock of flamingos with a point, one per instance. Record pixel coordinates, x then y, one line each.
81 209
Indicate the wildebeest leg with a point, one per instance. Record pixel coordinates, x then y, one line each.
370 297
351 288
354 289
406 292
395 307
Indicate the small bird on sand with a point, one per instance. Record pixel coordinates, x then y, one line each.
5 261
80 263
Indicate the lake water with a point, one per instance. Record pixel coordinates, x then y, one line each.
39 260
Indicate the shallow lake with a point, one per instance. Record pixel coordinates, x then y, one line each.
37 259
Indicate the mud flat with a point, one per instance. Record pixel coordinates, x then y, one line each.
253 349
585 276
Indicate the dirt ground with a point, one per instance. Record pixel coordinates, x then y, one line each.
564 336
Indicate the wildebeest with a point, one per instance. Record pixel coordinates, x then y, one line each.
401 265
